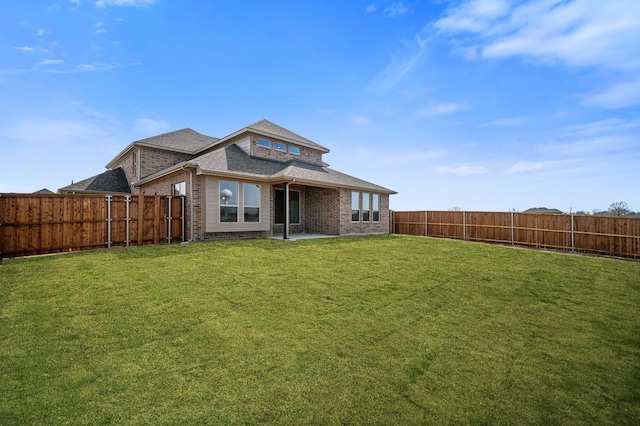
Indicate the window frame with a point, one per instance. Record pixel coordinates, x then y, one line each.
365 207
358 208
245 205
375 207
267 144
279 146
179 189
227 205
292 148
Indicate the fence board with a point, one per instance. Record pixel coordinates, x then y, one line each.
607 235
38 224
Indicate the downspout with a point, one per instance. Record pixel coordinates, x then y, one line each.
287 220
285 231
191 207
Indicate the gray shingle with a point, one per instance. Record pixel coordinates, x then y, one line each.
111 181
265 126
232 159
185 140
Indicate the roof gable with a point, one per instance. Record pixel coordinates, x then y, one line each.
185 140
266 127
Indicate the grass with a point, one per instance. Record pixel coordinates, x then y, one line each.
371 330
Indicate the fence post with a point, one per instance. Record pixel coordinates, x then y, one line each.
426 224
573 241
169 218
108 221
464 225
127 219
182 216
512 230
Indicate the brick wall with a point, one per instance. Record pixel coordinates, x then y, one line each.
348 227
306 154
322 213
153 160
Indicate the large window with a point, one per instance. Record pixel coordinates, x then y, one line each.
294 207
355 207
228 201
239 202
365 207
376 207
251 194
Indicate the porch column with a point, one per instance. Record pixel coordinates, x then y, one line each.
285 232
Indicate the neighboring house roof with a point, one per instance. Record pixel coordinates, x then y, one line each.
111 181
541 210
233 161
186 141
44 191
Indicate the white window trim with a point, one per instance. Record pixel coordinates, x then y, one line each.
284 147
263 146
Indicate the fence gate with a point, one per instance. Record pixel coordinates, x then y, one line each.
37 224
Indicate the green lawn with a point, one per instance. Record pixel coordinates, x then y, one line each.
371 330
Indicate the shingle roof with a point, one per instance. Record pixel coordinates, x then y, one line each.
185 140
233 160
112 181
269 128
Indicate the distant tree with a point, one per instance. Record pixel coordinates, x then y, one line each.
582 212
619 209
455 209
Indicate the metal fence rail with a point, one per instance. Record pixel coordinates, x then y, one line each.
38 224
605 235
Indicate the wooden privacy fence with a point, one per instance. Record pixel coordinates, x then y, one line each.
37 224
606 235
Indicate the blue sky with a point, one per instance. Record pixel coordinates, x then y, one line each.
482 105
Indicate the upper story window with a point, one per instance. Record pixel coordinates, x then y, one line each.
265 143
294 150
280 146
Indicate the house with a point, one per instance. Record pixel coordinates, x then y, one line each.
260 181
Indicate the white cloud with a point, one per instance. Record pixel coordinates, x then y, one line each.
463 170
48 62
359 120
574 33
51 132
93 67
136 3
474 16
609 125
396 9
441 109
620 95
25 48
41 32
371 8
524 166
510 121
399 66
149 126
